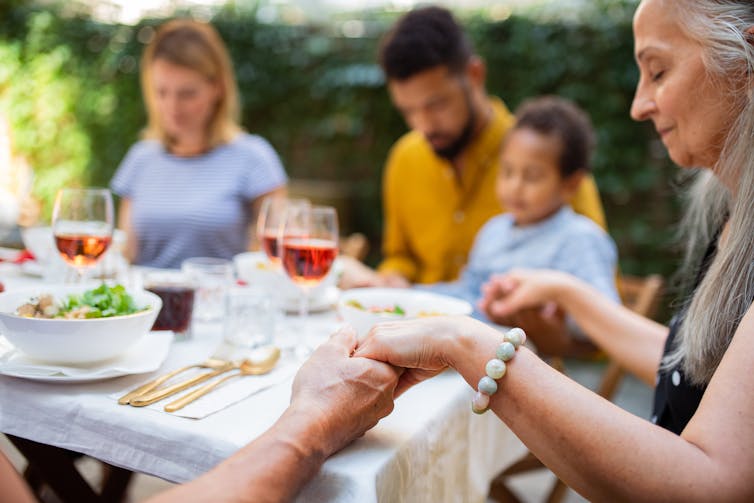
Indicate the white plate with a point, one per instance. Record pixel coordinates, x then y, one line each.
318 302
146 356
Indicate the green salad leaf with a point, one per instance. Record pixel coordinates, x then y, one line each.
102 302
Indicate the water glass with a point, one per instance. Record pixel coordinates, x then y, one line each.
212 277
250 315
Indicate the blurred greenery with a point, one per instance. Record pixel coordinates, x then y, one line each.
69 85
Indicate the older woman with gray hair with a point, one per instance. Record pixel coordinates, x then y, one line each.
696 62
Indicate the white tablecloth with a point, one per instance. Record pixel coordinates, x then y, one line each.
431 448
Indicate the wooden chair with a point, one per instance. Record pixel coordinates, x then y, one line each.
641 295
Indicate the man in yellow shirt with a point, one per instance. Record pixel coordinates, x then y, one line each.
439 182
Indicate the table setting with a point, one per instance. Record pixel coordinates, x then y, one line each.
210 360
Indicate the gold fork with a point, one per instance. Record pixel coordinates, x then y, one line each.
210 363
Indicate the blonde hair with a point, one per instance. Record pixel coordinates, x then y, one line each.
197 46
726 292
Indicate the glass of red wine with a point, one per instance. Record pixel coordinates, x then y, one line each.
82 224
308 248
269 223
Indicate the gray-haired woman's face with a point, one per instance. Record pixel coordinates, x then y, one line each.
691 113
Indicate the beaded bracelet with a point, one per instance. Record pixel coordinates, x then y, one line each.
496 368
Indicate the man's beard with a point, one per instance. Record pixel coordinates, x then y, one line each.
462 141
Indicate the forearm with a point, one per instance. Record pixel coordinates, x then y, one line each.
12 485
272 468
635 342
600 450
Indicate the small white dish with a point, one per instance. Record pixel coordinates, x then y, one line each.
146 356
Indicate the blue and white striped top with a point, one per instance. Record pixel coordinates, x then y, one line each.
566 242
198 206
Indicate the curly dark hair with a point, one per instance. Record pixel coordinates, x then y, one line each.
552 115
422 39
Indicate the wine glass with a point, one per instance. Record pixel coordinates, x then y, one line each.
309 245
269 222
82 223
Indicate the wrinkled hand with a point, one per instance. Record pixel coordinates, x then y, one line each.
504 295
349 394
424 346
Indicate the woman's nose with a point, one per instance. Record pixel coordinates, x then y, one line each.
643 105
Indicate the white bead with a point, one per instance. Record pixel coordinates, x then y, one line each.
495 368
515 336
487 385
480 402
676 378
505 351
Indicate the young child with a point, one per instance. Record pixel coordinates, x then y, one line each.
544 158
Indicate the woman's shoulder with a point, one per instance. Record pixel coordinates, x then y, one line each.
249 144
144 149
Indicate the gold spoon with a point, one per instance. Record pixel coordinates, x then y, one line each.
247 368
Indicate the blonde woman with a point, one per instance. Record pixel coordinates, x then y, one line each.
192 186
696 62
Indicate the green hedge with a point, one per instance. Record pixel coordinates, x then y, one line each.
70 87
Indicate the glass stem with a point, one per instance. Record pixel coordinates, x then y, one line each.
303 313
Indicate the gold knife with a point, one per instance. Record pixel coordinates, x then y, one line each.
157 395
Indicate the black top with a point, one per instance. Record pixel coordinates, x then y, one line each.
676 400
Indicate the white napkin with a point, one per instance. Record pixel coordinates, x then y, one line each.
145 356
232 391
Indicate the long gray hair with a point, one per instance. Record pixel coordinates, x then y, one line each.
726 292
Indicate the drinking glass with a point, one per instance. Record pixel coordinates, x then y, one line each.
177 292
309 245
269 222
212 277
82 224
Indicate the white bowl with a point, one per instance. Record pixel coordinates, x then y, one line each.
74 342
255 269
414 303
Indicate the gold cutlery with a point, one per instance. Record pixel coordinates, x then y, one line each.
158 394
246 368
210 363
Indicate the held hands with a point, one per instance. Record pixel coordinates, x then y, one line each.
346 395
505 295
424 347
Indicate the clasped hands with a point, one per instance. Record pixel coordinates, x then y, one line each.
347 386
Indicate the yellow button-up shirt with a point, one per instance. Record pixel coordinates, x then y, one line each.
431 216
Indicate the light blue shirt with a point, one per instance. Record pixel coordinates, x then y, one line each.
199 206
566 241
